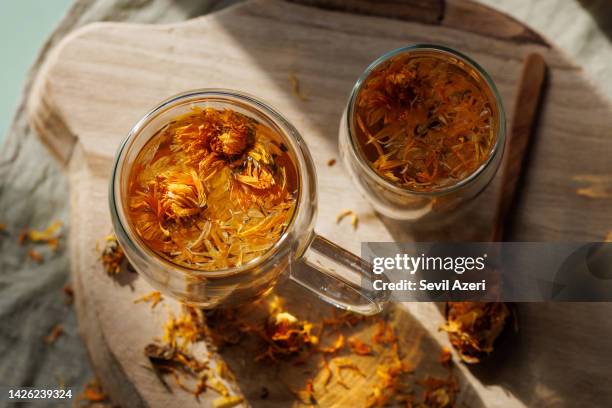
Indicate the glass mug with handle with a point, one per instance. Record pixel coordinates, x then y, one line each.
312 261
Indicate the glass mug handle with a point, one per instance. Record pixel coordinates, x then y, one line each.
325 268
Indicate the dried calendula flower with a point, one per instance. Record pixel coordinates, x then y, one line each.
288 334
49 235
473 327
112 255
424 122
345 213
359 347
93 392
232 134
213 189
153 297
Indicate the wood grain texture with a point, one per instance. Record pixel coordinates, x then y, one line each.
104 77
464 15
423 11
477 18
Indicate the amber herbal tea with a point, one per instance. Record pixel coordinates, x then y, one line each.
213 189
425 121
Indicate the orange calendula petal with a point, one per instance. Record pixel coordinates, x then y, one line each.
213 189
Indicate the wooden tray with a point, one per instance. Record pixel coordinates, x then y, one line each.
102 78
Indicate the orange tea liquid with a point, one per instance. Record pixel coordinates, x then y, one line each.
213 189
425 122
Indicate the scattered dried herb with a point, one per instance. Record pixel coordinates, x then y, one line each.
593 192
154 298
344 363
334 348
183 331
307 394
295 88
23 234
287 335
213 189
446 357
608 237
331 162
385 334
2 227
93 392
391 383
68 294
35 256
359 348
473 327
283 336
49 235
227 402
112 255
286 338
440 392
597 186
424 122
175 355
57 331
346 213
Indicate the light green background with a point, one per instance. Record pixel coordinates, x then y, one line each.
24 25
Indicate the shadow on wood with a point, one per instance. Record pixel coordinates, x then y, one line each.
275 384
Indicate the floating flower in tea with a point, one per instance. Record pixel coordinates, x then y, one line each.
424 122
213 189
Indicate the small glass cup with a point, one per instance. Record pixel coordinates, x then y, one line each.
398 202
329 271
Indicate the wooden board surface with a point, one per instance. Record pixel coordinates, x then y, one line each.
104 77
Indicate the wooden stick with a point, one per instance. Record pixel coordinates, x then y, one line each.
526 108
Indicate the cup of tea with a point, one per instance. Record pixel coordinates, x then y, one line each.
423 132
213 197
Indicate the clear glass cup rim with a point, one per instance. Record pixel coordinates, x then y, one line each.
200 95
501 131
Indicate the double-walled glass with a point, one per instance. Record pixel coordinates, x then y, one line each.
394 201
331 272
